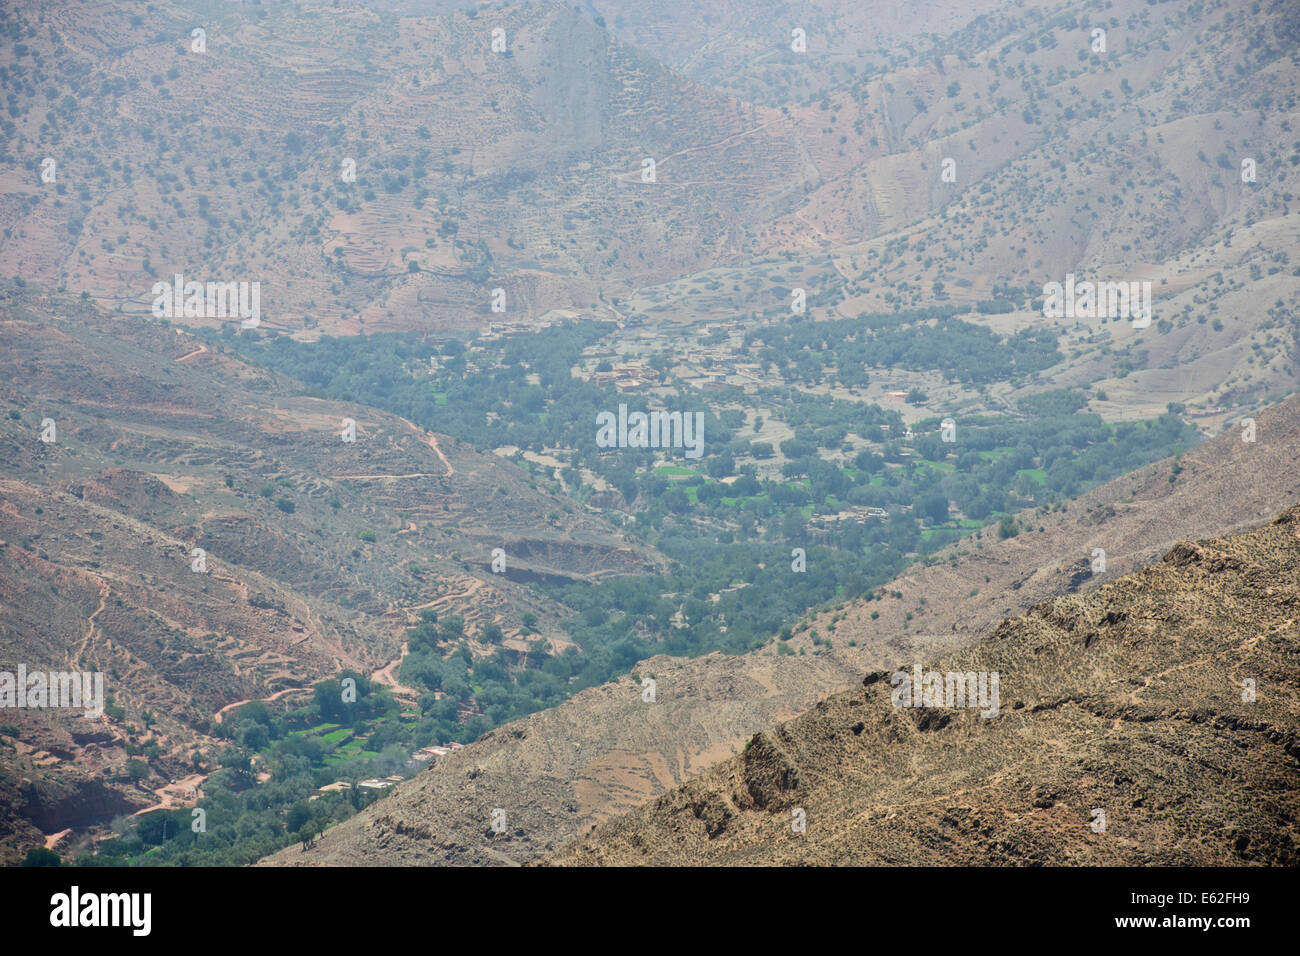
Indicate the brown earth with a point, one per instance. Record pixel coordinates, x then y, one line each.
1166 700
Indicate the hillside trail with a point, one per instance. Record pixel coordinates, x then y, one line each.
818 232
417 474
172 794
75 659
432 440
266 700
692 149
198 351
385 677
472 587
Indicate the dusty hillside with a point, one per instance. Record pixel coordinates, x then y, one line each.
318 553
1122 166
391 174
415 164
1166 699
744 45
628 751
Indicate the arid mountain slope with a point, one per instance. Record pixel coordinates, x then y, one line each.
1023 155
745 46
1166 700
389 174
627 751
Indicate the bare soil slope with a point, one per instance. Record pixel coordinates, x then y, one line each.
1166 700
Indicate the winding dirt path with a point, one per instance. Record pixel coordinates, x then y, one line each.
432 440
240 703
386 678
75 660
628 176
173 795
418 474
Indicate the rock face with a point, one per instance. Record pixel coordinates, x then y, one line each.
1153 720
55 799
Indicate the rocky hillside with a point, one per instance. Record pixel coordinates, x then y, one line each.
390 174
318 553
1150 721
